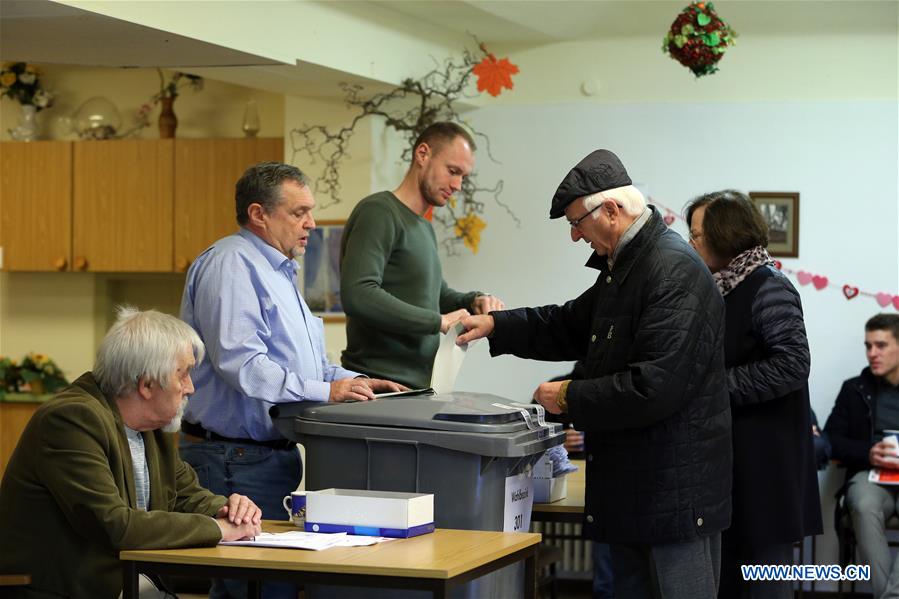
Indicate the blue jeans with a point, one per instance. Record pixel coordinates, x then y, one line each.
263 474
602 572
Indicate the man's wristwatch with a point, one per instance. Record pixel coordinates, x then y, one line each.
562 399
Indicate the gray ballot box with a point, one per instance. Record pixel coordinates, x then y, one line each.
465 448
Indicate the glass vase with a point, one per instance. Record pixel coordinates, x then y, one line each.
251 119
27 129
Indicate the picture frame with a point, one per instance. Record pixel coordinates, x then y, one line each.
781 211
320 272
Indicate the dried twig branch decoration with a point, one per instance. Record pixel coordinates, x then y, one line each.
409 109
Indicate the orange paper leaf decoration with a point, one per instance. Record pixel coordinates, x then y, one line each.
493 75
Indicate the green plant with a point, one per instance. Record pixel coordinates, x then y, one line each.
9 375
39 372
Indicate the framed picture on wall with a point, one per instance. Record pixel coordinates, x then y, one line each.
781 211
320 274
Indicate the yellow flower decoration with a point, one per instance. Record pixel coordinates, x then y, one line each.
469 228
7 79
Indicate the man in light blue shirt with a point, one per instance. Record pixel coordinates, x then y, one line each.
264 346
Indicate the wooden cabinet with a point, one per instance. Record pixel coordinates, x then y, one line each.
121 205
13 418
205 173
36 205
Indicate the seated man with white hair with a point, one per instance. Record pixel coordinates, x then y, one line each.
97 469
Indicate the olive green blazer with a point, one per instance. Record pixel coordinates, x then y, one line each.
68 504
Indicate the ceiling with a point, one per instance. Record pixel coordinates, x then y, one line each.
46 32
43 31
544 21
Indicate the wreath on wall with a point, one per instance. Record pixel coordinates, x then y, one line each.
698 38
409 109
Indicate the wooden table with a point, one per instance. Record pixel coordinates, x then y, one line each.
433 562
569 509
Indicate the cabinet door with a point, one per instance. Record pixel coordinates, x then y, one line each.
205 173
122 209
36 205
13 418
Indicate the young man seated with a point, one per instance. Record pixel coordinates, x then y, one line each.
867 406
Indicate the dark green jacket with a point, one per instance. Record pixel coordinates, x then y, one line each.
67 500
393 292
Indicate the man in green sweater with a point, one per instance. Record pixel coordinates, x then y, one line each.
391 282
97 469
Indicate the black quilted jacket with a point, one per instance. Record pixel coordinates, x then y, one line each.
850 426
655 402
767 358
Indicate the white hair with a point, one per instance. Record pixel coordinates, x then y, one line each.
142 344
628 197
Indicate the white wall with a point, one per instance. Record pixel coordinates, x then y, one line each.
840 156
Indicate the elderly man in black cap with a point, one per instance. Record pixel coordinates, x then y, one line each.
654 403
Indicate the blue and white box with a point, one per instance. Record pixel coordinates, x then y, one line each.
373 513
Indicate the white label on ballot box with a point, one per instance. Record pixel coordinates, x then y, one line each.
519 499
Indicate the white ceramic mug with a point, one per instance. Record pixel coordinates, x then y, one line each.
295 504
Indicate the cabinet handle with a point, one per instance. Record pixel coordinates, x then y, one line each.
60 263
80 263
181 264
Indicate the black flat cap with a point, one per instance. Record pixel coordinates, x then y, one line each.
599 171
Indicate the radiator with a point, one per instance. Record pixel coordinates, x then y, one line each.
577 561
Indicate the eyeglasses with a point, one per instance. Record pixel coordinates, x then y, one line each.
574 223
694 237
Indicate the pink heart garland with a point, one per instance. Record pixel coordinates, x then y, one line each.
896 301
805 277
884 299
820 282
778 264
850 292
669 219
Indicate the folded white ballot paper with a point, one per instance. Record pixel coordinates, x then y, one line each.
447 364
448 360
315 541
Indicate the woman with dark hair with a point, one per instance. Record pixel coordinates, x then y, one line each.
775 488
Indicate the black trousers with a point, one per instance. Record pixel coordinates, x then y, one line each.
733 555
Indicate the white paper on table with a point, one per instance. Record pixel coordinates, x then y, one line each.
448 360
360 541
295 539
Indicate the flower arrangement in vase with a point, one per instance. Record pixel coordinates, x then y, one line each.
20 81
36 374
168 91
